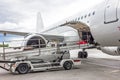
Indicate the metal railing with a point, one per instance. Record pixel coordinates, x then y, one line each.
22 50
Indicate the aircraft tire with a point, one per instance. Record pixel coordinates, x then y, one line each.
85 54
82 54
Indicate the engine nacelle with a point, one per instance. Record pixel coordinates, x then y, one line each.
115 51
34 40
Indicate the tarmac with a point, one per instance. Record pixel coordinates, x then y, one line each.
98 66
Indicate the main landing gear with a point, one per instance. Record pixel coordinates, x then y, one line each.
82 54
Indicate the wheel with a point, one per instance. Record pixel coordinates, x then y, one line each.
80 54
23 68
67 65
85 54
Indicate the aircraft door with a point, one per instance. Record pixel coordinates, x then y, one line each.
110 14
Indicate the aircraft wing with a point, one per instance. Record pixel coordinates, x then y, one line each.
49 37
13 32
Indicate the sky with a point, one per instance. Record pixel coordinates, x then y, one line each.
21 15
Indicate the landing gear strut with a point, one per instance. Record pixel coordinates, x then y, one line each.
82 54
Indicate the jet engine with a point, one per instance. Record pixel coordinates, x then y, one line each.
34 40
115 51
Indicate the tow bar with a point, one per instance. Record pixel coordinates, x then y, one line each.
6 62
4 68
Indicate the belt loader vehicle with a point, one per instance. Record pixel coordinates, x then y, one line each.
39 59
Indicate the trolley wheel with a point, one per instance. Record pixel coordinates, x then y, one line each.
67 65
23 68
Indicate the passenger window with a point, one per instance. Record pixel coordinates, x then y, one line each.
89 14
85 16
82 17
94 13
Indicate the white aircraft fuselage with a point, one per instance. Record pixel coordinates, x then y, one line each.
103 21
105 25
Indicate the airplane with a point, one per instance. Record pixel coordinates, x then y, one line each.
99 25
